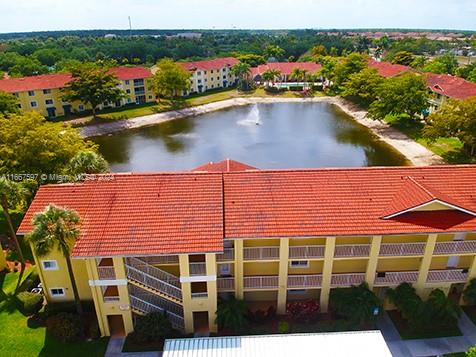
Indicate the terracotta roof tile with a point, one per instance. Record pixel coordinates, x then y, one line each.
450 86
285 67
216 63
387 69
224 166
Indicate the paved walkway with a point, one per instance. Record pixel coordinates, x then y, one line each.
429 346
417 154
114 349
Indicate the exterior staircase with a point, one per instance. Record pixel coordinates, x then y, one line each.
154 280
144 302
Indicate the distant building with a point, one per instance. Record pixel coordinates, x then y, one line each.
43 93
210 74
285 68
110 35
187 35
387 69
444 86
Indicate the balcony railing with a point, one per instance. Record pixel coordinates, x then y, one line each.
306 252
261 253
227 255
146 307
343 280
304 281
396 278
111 298
198 268
201 295
401 249
106 273
455 247
352 250
449 275
260 282
226 284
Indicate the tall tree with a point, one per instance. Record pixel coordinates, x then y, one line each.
363 85
446 63
270 76
31 144
456 118
243 73
87 162
352 63
57 228
298 74
92 85
11 195
402 95
273 51
231 314
403 57
170 79
8 104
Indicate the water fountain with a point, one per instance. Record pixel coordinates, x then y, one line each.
253 117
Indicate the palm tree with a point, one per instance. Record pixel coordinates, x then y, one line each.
87 162
298 74
11 194
270 75
231 313
57 228
242 72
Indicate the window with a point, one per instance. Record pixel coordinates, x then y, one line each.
129 100
46 91
31 93
459 236
138 82
199 73
33 104
81 107
224 77
128 91
225 269
57 292
199 81
297 291
49 101
49 264
212 71
150 97
127 82
299 264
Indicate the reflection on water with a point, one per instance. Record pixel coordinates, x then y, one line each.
280 135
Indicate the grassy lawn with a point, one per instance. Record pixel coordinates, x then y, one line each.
408 334
163 105
450 149
20 336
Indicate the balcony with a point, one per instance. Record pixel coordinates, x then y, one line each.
304 281
225 284
110 293
352 250
395 278
260 282
449 275
346 280
227 255
306 252
455 247
200 295
434 276
402 249
261 253
198 269
105 269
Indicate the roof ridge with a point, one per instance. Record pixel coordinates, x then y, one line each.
424 188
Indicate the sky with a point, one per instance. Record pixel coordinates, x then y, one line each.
43 15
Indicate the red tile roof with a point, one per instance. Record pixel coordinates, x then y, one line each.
59 80
450 86
285 67
207 65
387 69
224 166
166 213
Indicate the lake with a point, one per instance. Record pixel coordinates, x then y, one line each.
277 135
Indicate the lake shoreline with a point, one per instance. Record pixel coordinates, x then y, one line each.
417 154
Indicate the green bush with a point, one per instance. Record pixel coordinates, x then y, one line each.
283 327
65 327
151 327
29 303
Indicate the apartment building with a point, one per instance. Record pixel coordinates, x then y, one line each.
445 86
210 74
177 241
43 93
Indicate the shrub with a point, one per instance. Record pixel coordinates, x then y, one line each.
303 311
65 327
29 303
231 314
94 331
151 327
283 327
469 293
296 88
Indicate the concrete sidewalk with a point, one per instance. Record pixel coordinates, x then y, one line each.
114 349
429 346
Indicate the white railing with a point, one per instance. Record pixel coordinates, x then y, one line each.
448 275
111 298
304 281
347 279
307 252
226 284
160 274
352 250
260 282
201 295
227 255
455 247
198 268
261 253
146 307
106 273
153 283
155 299
161 259
395 278
401 249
